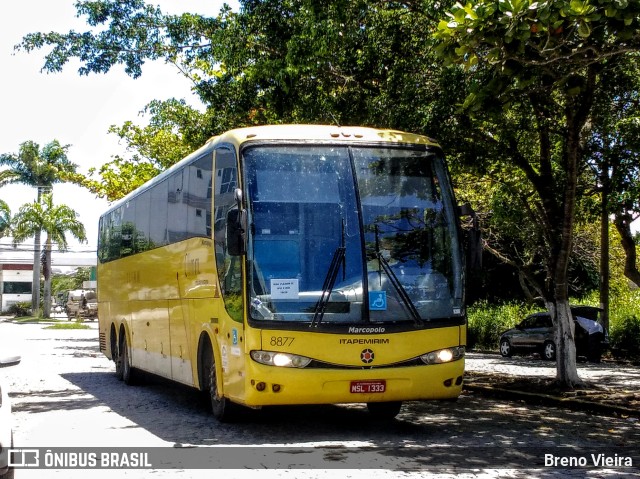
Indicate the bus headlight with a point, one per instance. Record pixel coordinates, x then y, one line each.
284 360
443 355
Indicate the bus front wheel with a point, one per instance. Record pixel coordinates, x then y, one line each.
384 410
222 408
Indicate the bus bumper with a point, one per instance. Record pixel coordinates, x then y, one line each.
272 385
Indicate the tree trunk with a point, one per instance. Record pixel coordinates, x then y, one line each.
604 247
46 309
35 287
566 365
562 244
623 225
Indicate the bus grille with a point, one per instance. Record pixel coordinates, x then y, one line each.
103 341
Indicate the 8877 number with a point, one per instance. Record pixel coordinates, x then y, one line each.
281 341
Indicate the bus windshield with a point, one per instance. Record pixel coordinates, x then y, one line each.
350 235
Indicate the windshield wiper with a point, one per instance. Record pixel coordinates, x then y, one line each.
329 281
404 296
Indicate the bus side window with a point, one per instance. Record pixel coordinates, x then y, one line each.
197 196
177 211
159 209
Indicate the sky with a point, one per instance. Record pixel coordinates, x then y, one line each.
75 110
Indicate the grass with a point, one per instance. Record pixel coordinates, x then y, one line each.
57 322
33 319
68 326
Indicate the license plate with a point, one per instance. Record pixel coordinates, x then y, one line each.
368 387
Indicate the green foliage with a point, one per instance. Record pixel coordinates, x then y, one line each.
175 130
55 221
5 219
624 329
513 33
487 322
133 25
37 167
19 310
120 176
65 282
81 275
625 337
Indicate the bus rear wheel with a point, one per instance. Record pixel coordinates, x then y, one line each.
117 359
384 410
116 349
128 372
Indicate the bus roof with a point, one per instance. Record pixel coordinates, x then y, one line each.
320 133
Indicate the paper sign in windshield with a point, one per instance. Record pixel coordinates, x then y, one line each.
284 288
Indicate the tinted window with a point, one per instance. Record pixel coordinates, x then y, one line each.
158 224
142 222
197 196
177 207
16 287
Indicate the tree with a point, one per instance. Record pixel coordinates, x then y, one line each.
612 150
56 222
40 169
344 62
517 113
543 61
619 152
5 219
175 130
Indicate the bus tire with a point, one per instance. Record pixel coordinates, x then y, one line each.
128 372
115 353
221 407
384 410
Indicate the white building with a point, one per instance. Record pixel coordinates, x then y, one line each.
16 273
15 284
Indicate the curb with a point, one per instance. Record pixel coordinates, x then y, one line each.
548 400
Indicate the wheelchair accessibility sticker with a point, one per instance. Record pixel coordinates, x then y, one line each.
377 300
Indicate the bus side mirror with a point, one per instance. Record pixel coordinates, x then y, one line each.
236 232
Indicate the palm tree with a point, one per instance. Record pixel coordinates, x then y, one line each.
5 219
40 169
55 221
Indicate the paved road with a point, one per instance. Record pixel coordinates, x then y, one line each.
66 395
605 374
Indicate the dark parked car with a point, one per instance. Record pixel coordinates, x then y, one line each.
536 334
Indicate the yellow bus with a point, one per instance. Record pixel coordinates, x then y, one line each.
290 264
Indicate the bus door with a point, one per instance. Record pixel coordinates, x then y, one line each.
231 341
